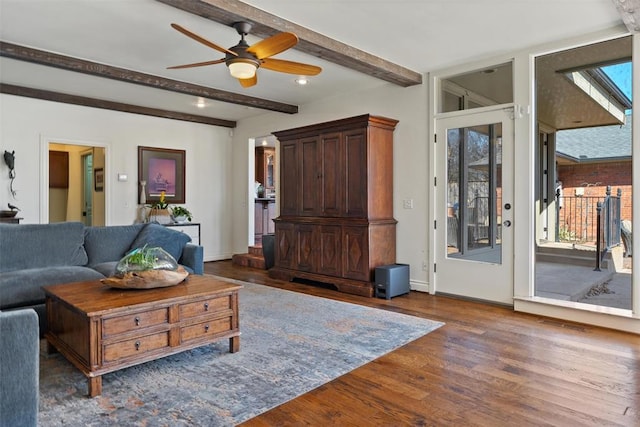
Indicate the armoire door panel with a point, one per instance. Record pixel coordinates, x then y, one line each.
331 165
330 259
310 175
288 178
305 248
356 173
285 245
356 253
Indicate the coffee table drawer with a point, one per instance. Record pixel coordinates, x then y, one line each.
136 321
135 346
201 307
204 329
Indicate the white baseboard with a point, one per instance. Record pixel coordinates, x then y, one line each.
420 286
219 257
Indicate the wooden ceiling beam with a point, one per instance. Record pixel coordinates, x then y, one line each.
50 59
227 12
110 105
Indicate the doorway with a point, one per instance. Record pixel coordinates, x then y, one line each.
474 195
72 193
584 176
264 189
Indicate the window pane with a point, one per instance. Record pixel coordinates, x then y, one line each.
474 194
481 88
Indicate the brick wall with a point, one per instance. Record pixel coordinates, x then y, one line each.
593 178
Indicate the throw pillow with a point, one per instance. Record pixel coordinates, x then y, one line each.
156 235
108 244
41 245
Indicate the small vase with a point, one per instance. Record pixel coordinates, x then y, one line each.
161 216
143 192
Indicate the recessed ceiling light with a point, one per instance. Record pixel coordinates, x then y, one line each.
200 103
264 142
302 81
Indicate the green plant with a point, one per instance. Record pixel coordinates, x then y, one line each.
177 211
142 258
565 235
161 203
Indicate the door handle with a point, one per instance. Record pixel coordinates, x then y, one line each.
507 223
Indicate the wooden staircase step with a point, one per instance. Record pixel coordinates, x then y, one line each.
255 250
249 260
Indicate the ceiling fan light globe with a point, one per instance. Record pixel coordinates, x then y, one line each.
242 70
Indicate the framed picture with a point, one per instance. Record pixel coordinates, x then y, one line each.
98 179
161 169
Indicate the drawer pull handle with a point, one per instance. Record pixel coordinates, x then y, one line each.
206 328
206 306
137 345
137 320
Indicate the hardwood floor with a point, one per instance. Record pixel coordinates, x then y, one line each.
488 366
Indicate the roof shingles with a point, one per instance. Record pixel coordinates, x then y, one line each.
595 143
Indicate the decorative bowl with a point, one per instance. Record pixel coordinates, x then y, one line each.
8 214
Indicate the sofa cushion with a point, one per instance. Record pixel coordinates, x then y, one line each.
156 235
24 287
107 244
41 245
19 368
107 268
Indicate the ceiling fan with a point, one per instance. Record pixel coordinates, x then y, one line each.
243 60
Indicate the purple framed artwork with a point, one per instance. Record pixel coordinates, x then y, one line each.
161 169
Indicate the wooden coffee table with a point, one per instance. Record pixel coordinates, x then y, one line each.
101 329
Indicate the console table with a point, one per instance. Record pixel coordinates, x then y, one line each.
265 212
13 220
192 229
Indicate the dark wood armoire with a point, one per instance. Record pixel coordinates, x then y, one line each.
336 220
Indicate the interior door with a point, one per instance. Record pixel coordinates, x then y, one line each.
87 189
474 200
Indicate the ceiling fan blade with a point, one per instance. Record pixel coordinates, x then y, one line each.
290 67
197 64
273 45
252 81
202 40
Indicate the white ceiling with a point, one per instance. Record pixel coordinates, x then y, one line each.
421 35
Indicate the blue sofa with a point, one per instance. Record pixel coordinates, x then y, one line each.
19 368
36 255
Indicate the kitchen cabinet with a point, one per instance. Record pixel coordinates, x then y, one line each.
266 167
265 210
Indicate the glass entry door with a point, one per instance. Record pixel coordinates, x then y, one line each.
474 231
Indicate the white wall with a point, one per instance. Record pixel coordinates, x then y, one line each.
25 122
409 106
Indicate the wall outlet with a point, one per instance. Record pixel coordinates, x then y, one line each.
407 203
424 265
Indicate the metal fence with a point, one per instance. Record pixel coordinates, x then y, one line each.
577 218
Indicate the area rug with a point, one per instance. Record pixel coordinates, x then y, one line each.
291 343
